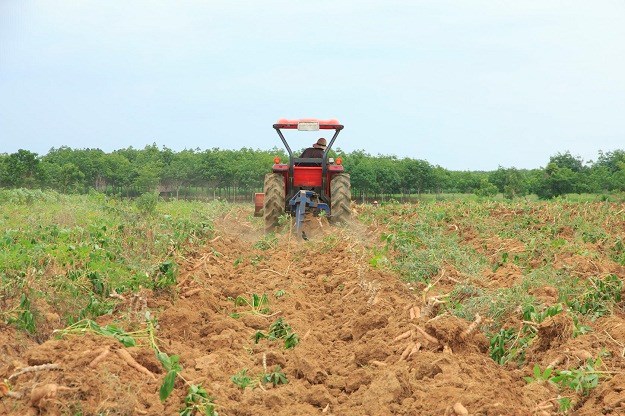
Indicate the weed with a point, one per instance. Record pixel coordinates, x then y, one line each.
582 379
95 307
598 299
166 275
86 325
146 203
25 318
237 261
379 259
329 243
278 330
242 380
618 251
257 304
508 345
564 404
284 219
275 377
531 314
291 340
279 293
173 368
267 242
579 329
257 258
100 245
539 375
198 402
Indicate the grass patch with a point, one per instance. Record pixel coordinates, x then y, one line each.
67 253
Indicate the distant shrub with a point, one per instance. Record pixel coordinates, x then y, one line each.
22 196
147 202
486 189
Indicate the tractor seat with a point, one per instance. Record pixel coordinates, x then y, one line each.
308 161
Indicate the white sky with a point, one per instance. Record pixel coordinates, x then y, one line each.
464 84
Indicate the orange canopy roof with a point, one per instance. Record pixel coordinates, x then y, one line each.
284 123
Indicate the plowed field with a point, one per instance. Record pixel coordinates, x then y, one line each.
370 343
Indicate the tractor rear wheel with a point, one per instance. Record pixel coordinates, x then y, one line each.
273 206
340 198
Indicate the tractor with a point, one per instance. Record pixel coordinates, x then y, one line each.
318 186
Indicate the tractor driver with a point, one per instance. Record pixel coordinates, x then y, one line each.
316 151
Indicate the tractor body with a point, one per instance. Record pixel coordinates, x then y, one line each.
305 185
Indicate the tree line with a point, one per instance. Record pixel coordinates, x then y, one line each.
230 173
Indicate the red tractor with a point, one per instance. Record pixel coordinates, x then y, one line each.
315 185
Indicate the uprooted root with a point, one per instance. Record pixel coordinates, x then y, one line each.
127 358
35 368
47 391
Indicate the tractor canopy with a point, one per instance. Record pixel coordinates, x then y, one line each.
308 124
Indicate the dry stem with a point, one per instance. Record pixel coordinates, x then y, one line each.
35 368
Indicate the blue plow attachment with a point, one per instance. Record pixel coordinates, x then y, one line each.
302 201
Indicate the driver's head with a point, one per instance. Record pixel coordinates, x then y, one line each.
321 144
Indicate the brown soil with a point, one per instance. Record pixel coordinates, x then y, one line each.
351 360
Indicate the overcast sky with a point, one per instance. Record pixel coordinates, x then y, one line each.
463 84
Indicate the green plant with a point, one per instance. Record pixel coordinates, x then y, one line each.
510 344
198 402
564 404
242 380
173 368
379 259
291 340
539 375
599 298
255 259
279 293
146 203
579 329
197 398
127 339
257 304
582 379
278 330
267 242
501 343
166 275
329 243
284 219
25 318
530 313
275 377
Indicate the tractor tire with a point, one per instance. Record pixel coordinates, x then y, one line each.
273 206
340 198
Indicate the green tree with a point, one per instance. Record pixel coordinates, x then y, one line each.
486 188
418 175
4 175
22 169
511 182
566 160
71 178
556 181
181 169
147 178
117 171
